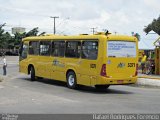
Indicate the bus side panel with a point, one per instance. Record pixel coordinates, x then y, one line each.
75 64
44 66
23 66
87 71
58 68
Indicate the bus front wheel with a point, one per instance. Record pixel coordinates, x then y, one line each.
71 80
32 74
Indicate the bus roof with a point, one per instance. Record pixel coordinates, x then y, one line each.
81 36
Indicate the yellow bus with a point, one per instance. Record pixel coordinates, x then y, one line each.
98 60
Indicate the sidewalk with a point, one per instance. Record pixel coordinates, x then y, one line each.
151 76
148 80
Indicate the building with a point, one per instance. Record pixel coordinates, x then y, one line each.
18 30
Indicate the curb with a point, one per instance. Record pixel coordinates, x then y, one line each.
149 77
148 82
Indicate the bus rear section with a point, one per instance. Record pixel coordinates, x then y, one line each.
120 63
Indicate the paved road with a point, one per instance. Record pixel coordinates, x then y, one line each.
19 95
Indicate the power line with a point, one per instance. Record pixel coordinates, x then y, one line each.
62 22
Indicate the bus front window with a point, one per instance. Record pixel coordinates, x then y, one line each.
24 51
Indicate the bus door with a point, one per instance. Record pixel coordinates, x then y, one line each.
58 69
45 60
58 60
88 62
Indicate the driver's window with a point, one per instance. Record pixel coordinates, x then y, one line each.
24 51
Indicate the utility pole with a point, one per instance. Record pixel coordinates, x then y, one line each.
93 30
54 29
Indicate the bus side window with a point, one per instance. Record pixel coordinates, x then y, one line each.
34 48
73 49
90 50
58 48
45 47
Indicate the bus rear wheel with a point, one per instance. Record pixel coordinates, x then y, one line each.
71 80
32 72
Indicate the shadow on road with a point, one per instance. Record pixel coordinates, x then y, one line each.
81 88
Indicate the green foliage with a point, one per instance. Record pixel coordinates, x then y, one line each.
137 36
5 38
41 34
18 38
155 26
9 42
32 32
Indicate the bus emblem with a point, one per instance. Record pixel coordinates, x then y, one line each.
121 65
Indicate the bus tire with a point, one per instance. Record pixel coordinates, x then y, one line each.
71 80
32 74
102 87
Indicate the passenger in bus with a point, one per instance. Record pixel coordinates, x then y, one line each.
93 54
85 54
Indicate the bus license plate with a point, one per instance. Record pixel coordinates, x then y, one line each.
119 81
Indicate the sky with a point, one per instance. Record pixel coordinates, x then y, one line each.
79 16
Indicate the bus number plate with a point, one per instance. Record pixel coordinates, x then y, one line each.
119 81
131 65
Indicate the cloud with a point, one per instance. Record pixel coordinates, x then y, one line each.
153 4
123 16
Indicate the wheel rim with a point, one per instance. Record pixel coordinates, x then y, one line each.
71 80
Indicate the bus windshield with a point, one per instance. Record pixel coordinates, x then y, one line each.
121 49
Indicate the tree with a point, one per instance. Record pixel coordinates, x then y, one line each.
155 26
5 38
41 34
8 42
1 35
137 36
32 32
19 36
